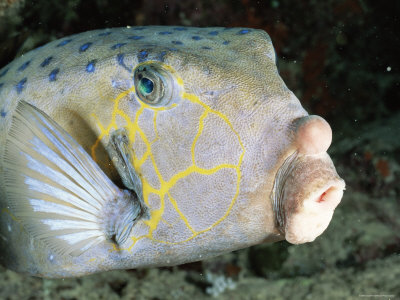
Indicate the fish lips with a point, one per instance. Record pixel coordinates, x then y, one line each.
307 189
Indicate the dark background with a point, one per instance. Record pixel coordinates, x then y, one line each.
341 59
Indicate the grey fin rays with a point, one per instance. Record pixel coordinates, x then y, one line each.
59 194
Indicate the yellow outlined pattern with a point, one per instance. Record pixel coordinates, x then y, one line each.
165 186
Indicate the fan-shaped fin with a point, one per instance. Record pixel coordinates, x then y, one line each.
57 191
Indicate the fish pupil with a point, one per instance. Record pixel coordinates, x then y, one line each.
146 86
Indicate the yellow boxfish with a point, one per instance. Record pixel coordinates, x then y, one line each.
155 146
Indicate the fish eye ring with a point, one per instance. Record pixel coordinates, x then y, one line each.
154 84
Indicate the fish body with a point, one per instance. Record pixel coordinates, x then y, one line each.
154 146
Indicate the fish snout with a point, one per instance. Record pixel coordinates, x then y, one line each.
307 188
313 135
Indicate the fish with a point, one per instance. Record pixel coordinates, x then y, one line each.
155 146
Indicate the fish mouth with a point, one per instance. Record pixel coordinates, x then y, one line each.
306 192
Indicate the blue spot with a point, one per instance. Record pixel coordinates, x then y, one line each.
180 28
46 61
172 49
1 85
162 55
20 85
90 66
243 31
24 65
164 32
206 48
196 38
63 43
135 37
84 47
117 46
142 55
177 42
105 33
226 42
4 72
120 60
3 113
138 28
53 74
213 33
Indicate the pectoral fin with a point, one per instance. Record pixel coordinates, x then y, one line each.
58 192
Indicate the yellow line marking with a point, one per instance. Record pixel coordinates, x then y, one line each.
183 217
199 132
165 186
155 127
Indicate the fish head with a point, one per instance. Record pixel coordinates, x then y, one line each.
217 137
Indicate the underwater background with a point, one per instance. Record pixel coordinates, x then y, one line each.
341 59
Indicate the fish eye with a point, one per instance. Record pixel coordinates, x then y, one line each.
154 84
145 86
